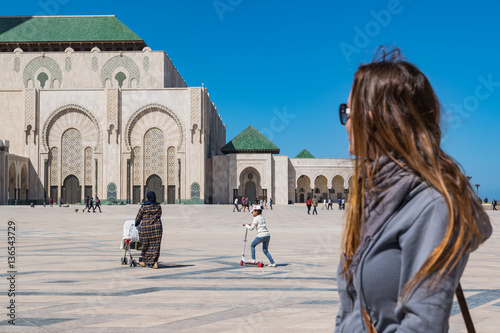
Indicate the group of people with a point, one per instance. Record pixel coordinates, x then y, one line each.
91 203
326 204
149 225
246 203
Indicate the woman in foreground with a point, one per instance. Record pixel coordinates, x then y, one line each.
413 216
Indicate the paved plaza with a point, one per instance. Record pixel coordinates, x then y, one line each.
69 277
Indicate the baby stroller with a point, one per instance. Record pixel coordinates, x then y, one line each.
130 241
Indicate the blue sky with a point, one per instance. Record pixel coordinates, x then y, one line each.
285 66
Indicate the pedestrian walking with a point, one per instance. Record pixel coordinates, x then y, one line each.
343 203
494 203
330 203
91 203
271 203
243 204
87 204
315 205
324 205
236 205
97 204
51 202
308 204
148 221
339 201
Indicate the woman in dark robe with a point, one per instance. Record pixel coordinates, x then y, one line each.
150 230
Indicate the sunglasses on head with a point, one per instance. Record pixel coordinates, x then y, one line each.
344 112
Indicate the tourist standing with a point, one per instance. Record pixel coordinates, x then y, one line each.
148 221
271 203
413 217
263 235
51 202
330 203
324 205
308 204
339 201
343 203
494 203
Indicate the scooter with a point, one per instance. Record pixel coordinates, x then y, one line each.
243 262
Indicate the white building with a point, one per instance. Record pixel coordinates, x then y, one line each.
88 109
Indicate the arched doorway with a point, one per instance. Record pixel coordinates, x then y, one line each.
251 185
250 190
303 188
154 184
338 187
24 186
71 190
12 184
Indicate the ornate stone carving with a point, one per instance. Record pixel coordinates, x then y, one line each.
88 166
71 153
154 154
145 118
54 166
17 65
195 107
68 64
171 165
136 156
94 133
113 96
95 64
42 62
120 61
30 109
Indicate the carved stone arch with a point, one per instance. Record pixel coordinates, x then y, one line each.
343 179
250 175
38 63
154 115
124 62
71 116
303 175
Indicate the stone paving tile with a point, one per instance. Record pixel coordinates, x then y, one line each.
69 277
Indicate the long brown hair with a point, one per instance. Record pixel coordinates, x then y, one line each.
395 112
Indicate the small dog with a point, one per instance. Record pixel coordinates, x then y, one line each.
76 210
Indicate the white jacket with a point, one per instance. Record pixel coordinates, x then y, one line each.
260 223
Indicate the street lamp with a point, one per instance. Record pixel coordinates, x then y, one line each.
477 185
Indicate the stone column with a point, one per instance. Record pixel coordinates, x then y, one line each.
4 171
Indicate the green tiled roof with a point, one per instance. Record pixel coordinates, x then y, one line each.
304 154
26 29
250 141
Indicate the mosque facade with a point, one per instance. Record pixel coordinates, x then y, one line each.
88 109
